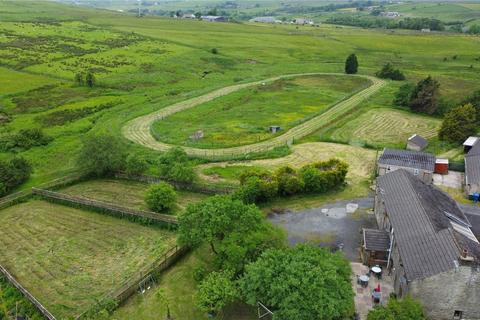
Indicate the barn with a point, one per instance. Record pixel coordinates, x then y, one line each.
420 164
416 143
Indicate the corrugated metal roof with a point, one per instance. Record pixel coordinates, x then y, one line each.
423 232
408 159
470 141
472 165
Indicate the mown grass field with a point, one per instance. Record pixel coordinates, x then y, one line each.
68 258
126 193
149 63
454 11
244 117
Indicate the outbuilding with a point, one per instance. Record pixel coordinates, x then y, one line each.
441 166
274 129
420 164
416 143
469 143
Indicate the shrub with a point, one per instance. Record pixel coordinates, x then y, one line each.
175 166
216 291
351 64
323 176
161 197
388 72
24 140
289 182
135 165
13 173
199 273
215 51
102 154
257 187
405 309
402 97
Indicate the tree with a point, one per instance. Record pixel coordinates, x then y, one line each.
474 100
424 97
160 197
198 15
174 166
101 154
215 51
388 72
403 95
13 173
459 124
216 291
351 64
303 282
257 187
90 80
324 175
405 309
213 219
135 165
289 182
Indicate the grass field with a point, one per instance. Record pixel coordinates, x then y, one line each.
126 193
454 11
68 258
244 117
146 64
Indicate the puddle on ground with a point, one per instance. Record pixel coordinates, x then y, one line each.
337 225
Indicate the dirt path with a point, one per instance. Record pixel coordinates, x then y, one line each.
138 129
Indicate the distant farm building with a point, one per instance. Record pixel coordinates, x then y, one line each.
189 16
214 18
472 165
274 129
425 30
391 14
302 21
434 254
420 164
416 143
265 20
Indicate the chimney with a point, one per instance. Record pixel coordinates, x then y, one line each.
465 257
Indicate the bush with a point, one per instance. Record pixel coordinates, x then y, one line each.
257 187
289 183
405 309
161 197
402 97
135 165
102 155
388 72
24 140
424 97
216 292
215 51
199 273
324 176
175 166
351 64
13 173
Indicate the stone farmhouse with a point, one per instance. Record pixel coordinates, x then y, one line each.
432 252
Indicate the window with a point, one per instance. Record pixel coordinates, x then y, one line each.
458 315
416 172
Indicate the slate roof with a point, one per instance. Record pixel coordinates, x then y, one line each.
422 218
376 240
419 141
408 159
472 165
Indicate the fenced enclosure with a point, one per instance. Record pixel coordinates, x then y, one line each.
106 207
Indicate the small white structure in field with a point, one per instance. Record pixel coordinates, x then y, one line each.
197 135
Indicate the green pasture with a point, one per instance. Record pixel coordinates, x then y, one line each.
126 193
244 117
445 11
69 258
13 81
149 63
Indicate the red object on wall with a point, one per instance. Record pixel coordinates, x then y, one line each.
441 166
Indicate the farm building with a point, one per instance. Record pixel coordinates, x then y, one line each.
441 166
214 18
265 20
416 143
375 247
434 255
418 163
302 21
472 166
274 129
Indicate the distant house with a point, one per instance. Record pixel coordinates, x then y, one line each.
434 254
264 20
302 21
416 143
391 14
472 165
214 18
189 16
425 30
419 164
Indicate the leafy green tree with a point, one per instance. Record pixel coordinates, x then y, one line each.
474 100
257 187
289 182
324 176
13 173
174 166
424 97
351 64
303 282
90 80
389 72
160 197
459 124
216 292
135 165
402 97
101 154
405 309
215 51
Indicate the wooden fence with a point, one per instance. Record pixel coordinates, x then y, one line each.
178 185
46 314
111 208
132 285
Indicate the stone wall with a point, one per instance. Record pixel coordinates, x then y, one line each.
426 176
442 294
